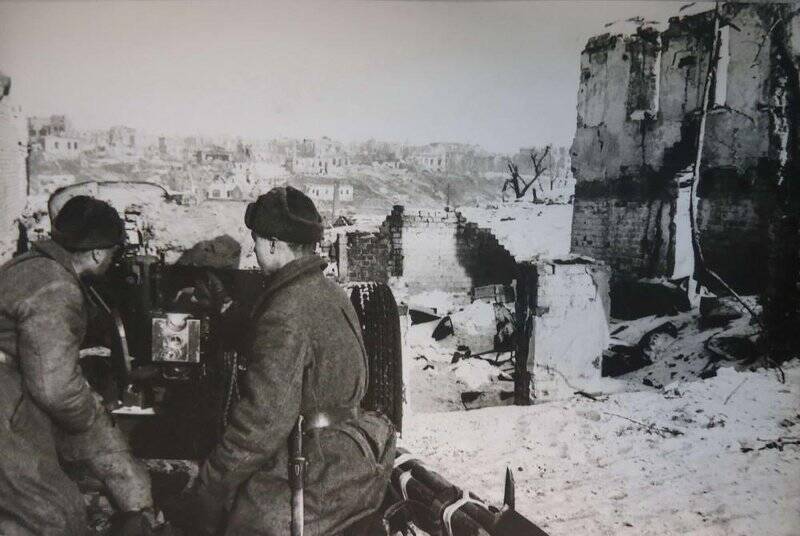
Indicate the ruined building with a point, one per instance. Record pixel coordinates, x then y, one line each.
54 136
639 104
13 169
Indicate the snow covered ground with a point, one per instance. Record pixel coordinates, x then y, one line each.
675 454
582 467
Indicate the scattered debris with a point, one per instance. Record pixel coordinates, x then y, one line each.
655 341
778 444
621 359
619 330
786 423
636 299
444 329
470 396
715 421
650 428
650 383
420 315
733 349
462 352
717 312
343 221
708 373
494 293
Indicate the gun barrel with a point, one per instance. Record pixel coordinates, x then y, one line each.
469 516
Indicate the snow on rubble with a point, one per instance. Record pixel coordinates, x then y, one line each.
688 444
439 381
701 457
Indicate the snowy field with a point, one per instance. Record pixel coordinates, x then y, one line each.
613 466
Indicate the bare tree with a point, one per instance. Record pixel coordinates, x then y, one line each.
518 184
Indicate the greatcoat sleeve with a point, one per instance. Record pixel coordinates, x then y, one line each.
263 418
51 326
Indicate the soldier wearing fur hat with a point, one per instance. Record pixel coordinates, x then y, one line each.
306 358
47 407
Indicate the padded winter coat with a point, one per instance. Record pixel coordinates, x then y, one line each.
42 391
306 355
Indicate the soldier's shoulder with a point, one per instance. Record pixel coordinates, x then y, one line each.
306 294
40 267
36 272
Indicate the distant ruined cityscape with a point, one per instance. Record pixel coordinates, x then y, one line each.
228 168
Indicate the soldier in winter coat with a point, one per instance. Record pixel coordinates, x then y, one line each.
306 357
47 409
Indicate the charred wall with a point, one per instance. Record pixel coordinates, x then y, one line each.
639 100
484 259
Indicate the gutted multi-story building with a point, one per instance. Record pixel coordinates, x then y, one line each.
640 101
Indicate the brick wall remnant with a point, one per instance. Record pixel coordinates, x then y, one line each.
367 257
429 250
485 260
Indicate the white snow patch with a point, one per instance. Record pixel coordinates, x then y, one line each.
474 373
474 326
582 468
442 302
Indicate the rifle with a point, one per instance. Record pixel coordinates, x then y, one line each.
297 473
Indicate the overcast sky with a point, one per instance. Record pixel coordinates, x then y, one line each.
503 75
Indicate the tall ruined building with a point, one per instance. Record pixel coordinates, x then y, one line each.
13 169
639 103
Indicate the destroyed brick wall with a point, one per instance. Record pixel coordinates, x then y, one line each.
370 256
443 251
631 234
13 169
563 310
484 259
367 256
428 250
638 104
430 253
